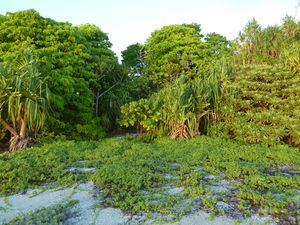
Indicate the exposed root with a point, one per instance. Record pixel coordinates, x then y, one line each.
182 131
16 143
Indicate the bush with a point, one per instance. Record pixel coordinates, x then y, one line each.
178 110
260 106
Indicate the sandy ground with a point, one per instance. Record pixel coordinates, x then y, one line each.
89 209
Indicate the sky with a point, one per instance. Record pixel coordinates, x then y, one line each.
130 21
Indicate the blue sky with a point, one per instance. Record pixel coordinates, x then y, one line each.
131 21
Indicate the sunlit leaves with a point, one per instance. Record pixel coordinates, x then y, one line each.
68 56
264 106
23 94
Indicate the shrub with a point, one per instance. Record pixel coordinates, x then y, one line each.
260 106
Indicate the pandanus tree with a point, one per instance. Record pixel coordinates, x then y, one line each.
248 41
23 100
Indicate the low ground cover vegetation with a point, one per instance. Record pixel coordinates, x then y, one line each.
165 176
53 215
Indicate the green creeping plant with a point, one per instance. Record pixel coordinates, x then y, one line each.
137 176
53 215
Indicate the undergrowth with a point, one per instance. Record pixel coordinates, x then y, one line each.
136 176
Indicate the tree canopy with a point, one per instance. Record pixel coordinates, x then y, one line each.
182 50
180 82
70 56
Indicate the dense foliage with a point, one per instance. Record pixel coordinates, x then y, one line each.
261 106
184 70
177 50
134 175
24 98
74 59
270 45
179 81
180 109
180 84
253 98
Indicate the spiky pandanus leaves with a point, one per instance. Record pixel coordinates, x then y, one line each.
23 99
257 45
181 106
176 110
181 109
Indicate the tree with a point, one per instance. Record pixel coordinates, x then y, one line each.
257 45
174 50
248 40
177 50
183 70
24 100
219 45
111 92
103 63
133 59
70 57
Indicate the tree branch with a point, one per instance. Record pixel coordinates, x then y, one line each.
111 87
9 128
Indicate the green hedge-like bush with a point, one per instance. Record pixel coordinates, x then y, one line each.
261 105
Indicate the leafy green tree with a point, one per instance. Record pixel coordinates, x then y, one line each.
133 59
24 99
133 62
62 55
104 64
70 56
177 50
220 47
109 87
112 91
174 50
181 70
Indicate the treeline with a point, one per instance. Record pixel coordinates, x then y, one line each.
78 66
247 89
180 82
261 103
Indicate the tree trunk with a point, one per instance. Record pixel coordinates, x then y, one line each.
17 141
9 128
97 102
98 96
23 124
